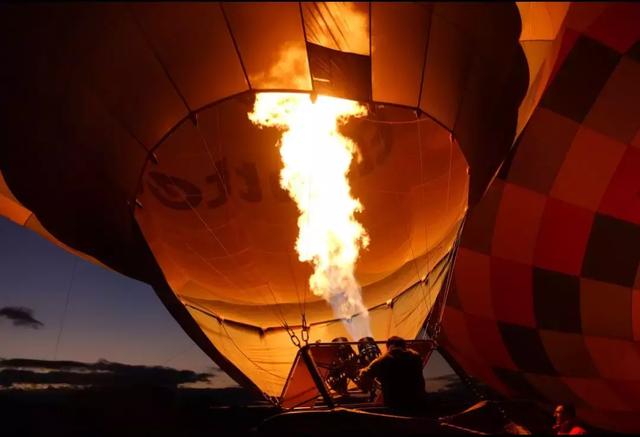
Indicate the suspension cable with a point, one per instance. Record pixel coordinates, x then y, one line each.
66 306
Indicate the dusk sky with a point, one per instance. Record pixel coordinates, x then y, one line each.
109 316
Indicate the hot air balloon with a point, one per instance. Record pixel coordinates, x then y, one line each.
126 138
545 295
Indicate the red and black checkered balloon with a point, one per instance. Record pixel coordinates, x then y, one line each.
546 296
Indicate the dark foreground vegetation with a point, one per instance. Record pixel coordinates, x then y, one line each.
65 398
129 411
145 410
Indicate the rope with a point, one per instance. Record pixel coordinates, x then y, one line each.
463 429
426 232
466 380
212 233
176 355
301 302
205 143
436 279
433 323
66 306
450 168
245 355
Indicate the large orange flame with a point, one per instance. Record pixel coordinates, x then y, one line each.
316 160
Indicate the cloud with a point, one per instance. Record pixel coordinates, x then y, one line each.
21 316
100 374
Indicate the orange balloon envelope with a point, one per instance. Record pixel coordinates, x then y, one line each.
126 139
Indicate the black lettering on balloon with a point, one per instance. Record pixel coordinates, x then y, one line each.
221 179
174 192
249 174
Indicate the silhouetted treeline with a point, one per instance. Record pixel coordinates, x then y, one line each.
102 373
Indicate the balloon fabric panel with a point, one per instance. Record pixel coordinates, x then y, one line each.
563 268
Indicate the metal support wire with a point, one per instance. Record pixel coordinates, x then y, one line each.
66 306
470 384
315 375
432 325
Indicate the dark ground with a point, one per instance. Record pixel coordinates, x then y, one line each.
142 410
130 411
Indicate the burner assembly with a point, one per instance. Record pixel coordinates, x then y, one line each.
328 374
347 364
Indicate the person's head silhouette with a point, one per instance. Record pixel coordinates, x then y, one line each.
395 342
565 420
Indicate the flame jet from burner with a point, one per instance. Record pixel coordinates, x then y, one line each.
316 160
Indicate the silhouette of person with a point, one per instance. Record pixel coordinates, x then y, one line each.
566 424
399 372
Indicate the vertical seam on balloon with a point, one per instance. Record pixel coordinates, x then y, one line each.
278 314
222 323
170 132
312 34
277 304
184 100
163 66
235 45
136 190
198 334
449 279
313 88
440 302
449 175
246 356
337 26
213 234
165 70
370 55
212 267
326 25
301 304
306 49
426 226
213 162
437 278
196 111
125 126
414 259
424 60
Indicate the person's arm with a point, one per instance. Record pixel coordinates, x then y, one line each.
370 372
